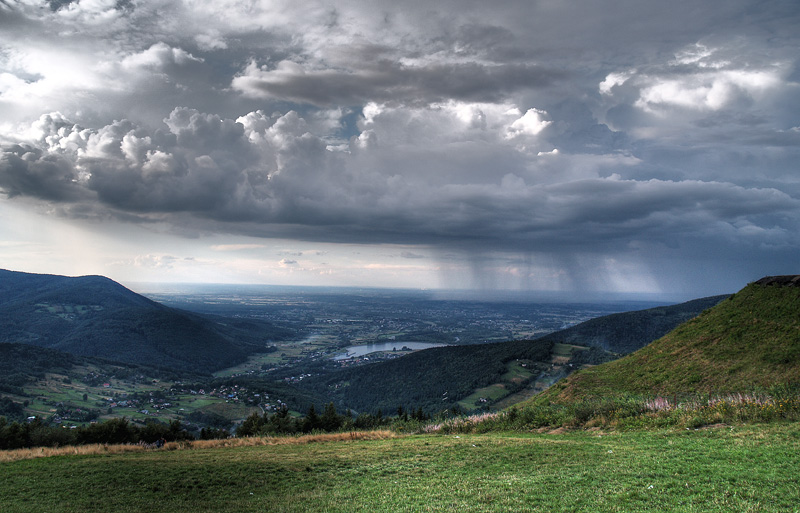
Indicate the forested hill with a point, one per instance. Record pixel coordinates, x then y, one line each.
433 379
624 333
20 288
21 364
748 341
95 316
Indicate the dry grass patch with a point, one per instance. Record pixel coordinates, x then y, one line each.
95 449
45 452
294 440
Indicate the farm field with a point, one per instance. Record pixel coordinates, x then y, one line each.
739 468
285 353
57 393
518 372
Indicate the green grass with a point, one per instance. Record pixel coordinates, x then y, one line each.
515 373
749 340
562 349
285 352
230 411
748 468
492 393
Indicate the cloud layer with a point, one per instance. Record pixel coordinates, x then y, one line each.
642 132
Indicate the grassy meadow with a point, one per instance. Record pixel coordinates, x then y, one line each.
740 468
749 340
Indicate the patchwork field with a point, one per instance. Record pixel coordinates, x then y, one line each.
78 402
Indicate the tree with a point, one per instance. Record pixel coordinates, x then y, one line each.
330 420
402 414
177 433
114 431
251 426
211 433
312 421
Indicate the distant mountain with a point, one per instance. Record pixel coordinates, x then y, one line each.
750 340
95 316
623 333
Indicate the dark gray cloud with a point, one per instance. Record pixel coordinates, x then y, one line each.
29 171
277 178
553 133
390 81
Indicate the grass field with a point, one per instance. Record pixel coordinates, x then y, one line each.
747 341
516 373
286 351
741 468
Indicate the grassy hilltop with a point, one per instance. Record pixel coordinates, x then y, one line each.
625 332
750 340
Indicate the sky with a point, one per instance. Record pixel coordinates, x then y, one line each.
581 147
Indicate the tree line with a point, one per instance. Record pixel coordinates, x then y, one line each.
18 435
281 423
37 433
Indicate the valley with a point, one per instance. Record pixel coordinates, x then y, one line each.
689 415
291 349
349 316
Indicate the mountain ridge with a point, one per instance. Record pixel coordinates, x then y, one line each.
96 316
625 332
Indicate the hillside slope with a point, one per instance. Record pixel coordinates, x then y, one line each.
433 379
625 332
752 339
95 316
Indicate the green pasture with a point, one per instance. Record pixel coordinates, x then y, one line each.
492 392
515 373
55 390
285 352
230 411
256 361
511 399
566 350
743 469
389 336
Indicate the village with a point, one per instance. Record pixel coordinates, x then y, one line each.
141 399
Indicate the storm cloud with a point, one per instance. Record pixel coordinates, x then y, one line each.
544 133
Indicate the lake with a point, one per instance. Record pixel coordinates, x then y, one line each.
356 351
